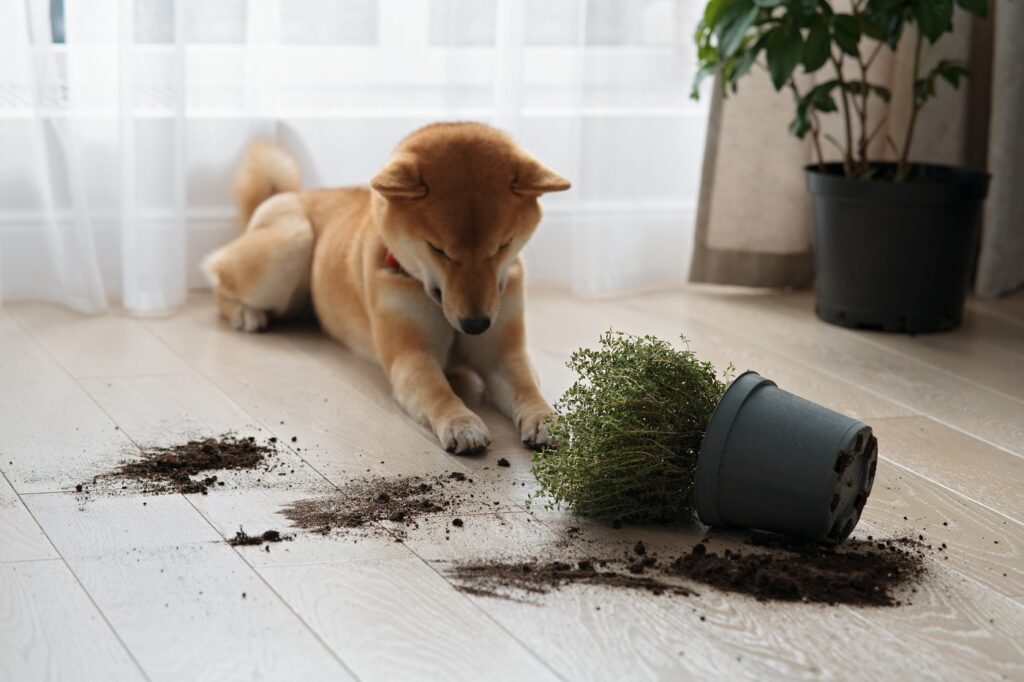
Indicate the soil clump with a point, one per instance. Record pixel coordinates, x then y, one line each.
186 468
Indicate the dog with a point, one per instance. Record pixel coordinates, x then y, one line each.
421 271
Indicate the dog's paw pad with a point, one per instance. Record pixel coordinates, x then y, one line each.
465 435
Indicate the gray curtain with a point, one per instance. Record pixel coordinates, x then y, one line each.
753 219
1001 260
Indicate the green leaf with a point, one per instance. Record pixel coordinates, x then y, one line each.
783 50
820 97
952 72
847 33
705 71
801 124
978 8
716 10
733 32
934 17
884 20
882 92
742 62
816 49
768 3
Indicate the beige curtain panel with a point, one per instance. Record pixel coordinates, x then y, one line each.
754 220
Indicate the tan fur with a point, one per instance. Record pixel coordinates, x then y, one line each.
266 170
463 189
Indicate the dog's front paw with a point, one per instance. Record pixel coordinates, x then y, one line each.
533 426
248 319
465 434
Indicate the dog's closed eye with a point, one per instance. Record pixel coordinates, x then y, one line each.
503 247
439 251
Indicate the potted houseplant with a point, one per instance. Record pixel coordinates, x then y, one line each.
649 433
894 240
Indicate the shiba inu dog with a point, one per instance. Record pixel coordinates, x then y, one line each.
420 272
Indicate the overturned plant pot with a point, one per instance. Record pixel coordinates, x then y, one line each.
894 256
771 460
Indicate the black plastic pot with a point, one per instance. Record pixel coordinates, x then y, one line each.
895 256
771 460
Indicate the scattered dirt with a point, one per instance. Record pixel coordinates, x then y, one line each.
366 501
243 538
775 568
184 468
859 572
769 567
501 580
504 462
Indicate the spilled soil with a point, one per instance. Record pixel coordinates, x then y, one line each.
769 568
502 580
186 468
362 503
242 538
859 572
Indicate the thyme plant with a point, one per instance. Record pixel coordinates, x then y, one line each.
629 431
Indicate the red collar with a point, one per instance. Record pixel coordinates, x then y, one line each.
392 262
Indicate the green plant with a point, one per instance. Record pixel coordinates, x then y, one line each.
734 35
629 430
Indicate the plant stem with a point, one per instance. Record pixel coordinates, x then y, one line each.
848 152
878 128
816 137
862 146
815 129
902 169
834 142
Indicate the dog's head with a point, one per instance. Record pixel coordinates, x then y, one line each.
456 203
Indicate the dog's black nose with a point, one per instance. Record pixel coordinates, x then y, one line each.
475 325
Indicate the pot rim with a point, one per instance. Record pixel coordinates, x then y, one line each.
963 171
709 461
949 185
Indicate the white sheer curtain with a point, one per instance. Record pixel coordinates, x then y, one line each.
121 121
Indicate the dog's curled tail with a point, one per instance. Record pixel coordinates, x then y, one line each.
266 170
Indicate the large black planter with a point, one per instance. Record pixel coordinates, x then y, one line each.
895 256
771 460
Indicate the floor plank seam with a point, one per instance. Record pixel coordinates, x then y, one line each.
540 659
866 388
946 567
203 517
945 487
88 595
336 487
256 572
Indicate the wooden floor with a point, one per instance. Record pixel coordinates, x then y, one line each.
130 586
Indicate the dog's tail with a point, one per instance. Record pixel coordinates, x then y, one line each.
266 170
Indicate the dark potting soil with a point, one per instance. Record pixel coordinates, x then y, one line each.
184 468
776 568
502 580
243 538
859 572
363 502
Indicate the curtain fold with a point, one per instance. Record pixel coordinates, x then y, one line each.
1001 261
121 122
753 220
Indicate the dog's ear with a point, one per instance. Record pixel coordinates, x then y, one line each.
400 179
534 178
